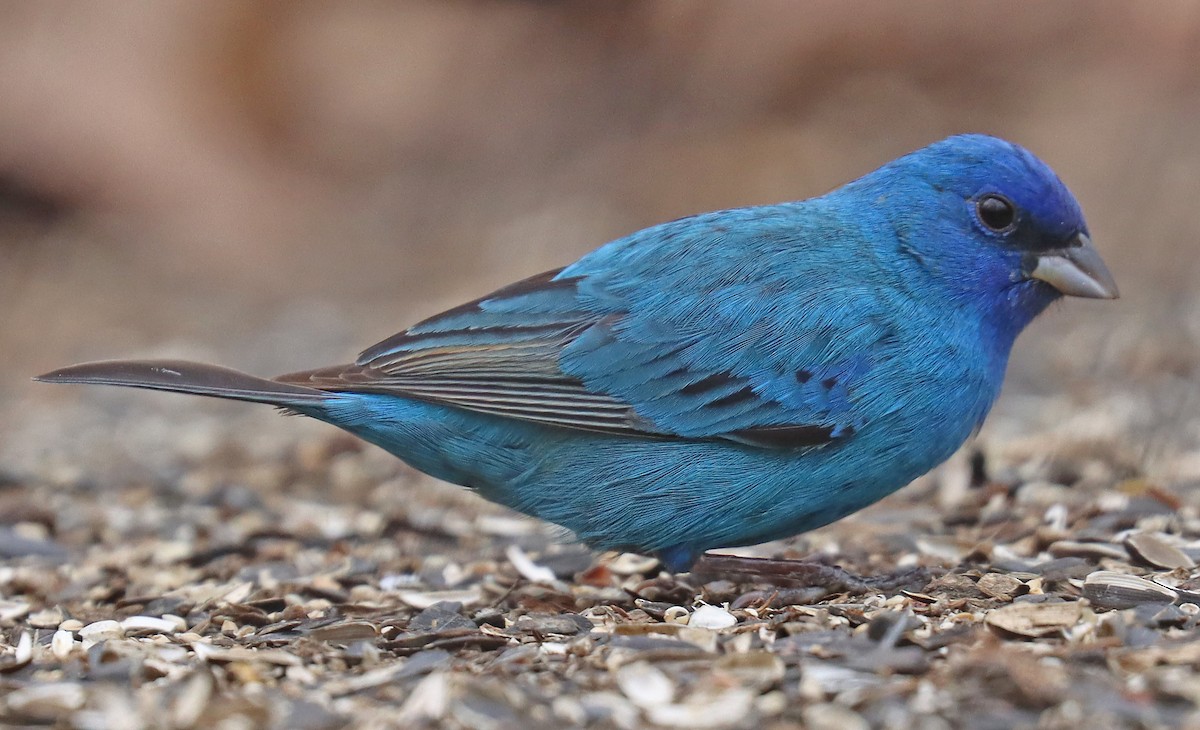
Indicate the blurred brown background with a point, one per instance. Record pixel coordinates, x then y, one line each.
276 185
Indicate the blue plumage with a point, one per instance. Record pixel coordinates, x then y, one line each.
724 379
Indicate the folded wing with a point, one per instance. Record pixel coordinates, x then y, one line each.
665 352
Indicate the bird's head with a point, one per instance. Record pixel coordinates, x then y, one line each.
992 223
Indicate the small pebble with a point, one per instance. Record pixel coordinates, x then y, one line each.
1000 586
1033 620
633 564
1087 550
645 685
13 610
47 702
711 617
24 652
48 619
101 631
754 668
829 716
676 615
722 709
1156 551
149 625
528 569
62 644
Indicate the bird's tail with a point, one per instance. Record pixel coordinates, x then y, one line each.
180 376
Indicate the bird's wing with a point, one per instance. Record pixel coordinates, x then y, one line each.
728 356
497 355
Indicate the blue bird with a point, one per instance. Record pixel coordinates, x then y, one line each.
724 379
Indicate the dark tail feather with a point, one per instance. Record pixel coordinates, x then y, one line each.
180 376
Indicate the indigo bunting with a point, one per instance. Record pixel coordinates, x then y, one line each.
724 379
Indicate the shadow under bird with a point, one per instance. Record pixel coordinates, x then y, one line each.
724 379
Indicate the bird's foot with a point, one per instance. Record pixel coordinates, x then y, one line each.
821 578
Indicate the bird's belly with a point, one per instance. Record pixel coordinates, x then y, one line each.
651 494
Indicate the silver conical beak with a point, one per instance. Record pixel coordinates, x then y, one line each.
1076 271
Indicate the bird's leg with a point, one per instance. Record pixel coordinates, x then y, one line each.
832 578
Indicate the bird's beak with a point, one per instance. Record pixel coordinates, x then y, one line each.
1076 270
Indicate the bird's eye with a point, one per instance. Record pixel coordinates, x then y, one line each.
996 212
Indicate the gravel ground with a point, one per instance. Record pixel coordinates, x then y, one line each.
225 568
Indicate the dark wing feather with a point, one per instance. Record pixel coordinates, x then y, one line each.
497 355
557 401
